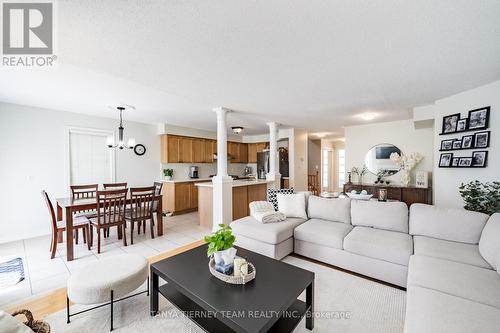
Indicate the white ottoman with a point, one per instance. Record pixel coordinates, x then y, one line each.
107 280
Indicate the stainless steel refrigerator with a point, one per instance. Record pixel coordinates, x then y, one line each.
263 164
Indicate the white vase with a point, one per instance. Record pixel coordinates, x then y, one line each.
225 256
405 177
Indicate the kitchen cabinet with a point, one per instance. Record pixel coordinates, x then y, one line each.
256 193
185 150
180 197
238 152
240 202
253 149
170 149
210 149
198 151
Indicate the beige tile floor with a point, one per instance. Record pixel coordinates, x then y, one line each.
43 274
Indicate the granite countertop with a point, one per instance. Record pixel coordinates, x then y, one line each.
237 183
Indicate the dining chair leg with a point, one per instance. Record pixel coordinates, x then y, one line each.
99 240
87 233
152 228
91 235
76 235
53 248
84 234
131 232
124 234
144 227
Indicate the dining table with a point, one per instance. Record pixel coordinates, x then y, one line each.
68 206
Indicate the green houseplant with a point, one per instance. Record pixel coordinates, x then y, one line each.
481 197
168 173
220 245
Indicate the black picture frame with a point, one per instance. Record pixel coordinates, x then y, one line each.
457 144
462 125
484 143
454 162
467 160
447 144
483 161
447 158
450 123
479 118
468 141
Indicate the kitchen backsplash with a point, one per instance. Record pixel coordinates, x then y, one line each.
181 170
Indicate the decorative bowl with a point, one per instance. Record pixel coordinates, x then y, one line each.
357 196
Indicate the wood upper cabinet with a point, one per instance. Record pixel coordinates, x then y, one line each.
170 149
209 150
232 150
199 151
186 150
243 152
253 149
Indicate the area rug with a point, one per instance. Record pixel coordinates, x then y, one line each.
344 303
11 272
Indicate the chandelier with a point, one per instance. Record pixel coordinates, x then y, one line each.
121 142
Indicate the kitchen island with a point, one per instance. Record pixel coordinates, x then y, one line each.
244 192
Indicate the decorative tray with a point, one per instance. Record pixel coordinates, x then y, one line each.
242 279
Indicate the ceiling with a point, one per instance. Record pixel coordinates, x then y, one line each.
308 64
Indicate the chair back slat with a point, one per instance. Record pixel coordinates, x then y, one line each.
111 205
115 186
158 186
52 213
141 202
84 191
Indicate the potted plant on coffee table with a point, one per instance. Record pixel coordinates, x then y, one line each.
220 246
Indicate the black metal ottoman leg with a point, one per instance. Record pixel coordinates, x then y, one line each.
67 310
111 311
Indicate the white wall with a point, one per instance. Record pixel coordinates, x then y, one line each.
33 157
447 180
298 170
359 140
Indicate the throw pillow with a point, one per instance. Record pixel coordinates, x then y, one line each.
271 195
292 205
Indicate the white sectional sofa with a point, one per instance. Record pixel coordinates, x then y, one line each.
446 258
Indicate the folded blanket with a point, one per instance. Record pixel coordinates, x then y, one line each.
264 212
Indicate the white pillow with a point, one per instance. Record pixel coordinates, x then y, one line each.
292 205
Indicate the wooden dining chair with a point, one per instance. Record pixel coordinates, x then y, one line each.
115 186
158 187
80 222
111 204
88 191
140 209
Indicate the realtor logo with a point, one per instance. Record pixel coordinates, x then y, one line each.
28 29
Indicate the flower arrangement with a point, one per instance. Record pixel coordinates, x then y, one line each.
360 172
406 163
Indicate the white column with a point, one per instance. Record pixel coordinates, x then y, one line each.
274 174
222 183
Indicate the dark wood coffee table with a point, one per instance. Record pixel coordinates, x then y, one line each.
267 304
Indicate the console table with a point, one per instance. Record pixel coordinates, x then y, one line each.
407 194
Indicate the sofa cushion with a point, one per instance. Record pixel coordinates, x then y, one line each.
431 311
322 232
489 244
338 210
292 205
381 215
453 224
271 233
391 246
454 251
454 278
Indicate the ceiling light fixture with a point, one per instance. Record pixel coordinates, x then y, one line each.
368 116
237 129
121 143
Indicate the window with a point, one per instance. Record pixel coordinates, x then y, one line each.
90 160
324 169
341 167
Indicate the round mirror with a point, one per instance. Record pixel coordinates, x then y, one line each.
378 159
